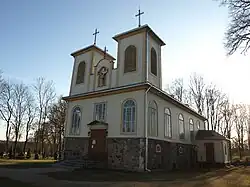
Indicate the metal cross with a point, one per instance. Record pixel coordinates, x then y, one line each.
95 33
105 51
139 16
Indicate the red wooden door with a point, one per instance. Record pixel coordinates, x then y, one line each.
97 144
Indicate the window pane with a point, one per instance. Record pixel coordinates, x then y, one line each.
76 121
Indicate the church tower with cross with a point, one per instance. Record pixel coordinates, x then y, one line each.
138 61
119 117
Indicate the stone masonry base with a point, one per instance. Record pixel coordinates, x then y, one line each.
129 153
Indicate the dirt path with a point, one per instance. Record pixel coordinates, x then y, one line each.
38 177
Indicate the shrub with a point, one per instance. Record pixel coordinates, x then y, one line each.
55 156
10 154
28 156
36 156
20 156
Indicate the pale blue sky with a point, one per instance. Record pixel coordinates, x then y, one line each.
37 37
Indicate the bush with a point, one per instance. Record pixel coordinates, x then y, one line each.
55 156
36 156
28 156
1 154
20 156
10 154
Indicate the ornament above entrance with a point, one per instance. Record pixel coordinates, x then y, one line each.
97 125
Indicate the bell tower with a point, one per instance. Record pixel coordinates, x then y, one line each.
139 57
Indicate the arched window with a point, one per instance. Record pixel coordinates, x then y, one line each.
167 123
102 76
129 116
181 127
198 124
80 73
153 62
152 119
76 121
191 128
130 59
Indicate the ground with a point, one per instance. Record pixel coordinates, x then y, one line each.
41 174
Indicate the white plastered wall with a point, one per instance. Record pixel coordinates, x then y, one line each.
219 150
113 116
175 111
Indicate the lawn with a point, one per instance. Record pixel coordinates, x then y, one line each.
228 177
22 164
6 182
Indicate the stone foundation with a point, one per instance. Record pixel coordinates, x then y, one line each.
126 153
166 155
129 153
75 147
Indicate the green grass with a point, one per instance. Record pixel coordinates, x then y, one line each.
6 182
25 164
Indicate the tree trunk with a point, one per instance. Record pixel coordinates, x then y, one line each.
15 144
7 133
60 144
25 143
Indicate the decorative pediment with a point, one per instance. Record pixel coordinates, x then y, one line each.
98 125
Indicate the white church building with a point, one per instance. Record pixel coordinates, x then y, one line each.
122 117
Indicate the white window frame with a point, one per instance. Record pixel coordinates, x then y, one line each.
181 119
191 124
152 119
76 121
198 124
129 117
167 123
100 115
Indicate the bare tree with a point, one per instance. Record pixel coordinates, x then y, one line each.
6 108
30 115
227 112
214 101
197 89
57 115
45 94
238 33
240 122
177 89
19 109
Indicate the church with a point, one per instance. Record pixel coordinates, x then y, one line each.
121 116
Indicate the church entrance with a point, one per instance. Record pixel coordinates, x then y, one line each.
97 144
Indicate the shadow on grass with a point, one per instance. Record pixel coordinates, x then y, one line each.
25 164
99 175
6 182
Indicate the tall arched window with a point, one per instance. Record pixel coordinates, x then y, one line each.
191 128
129 116
130 59
181 127
198 124
76 121
152 119
80 73
167 123
153 61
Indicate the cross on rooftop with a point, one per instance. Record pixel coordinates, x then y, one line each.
95 34
105 51
139 16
